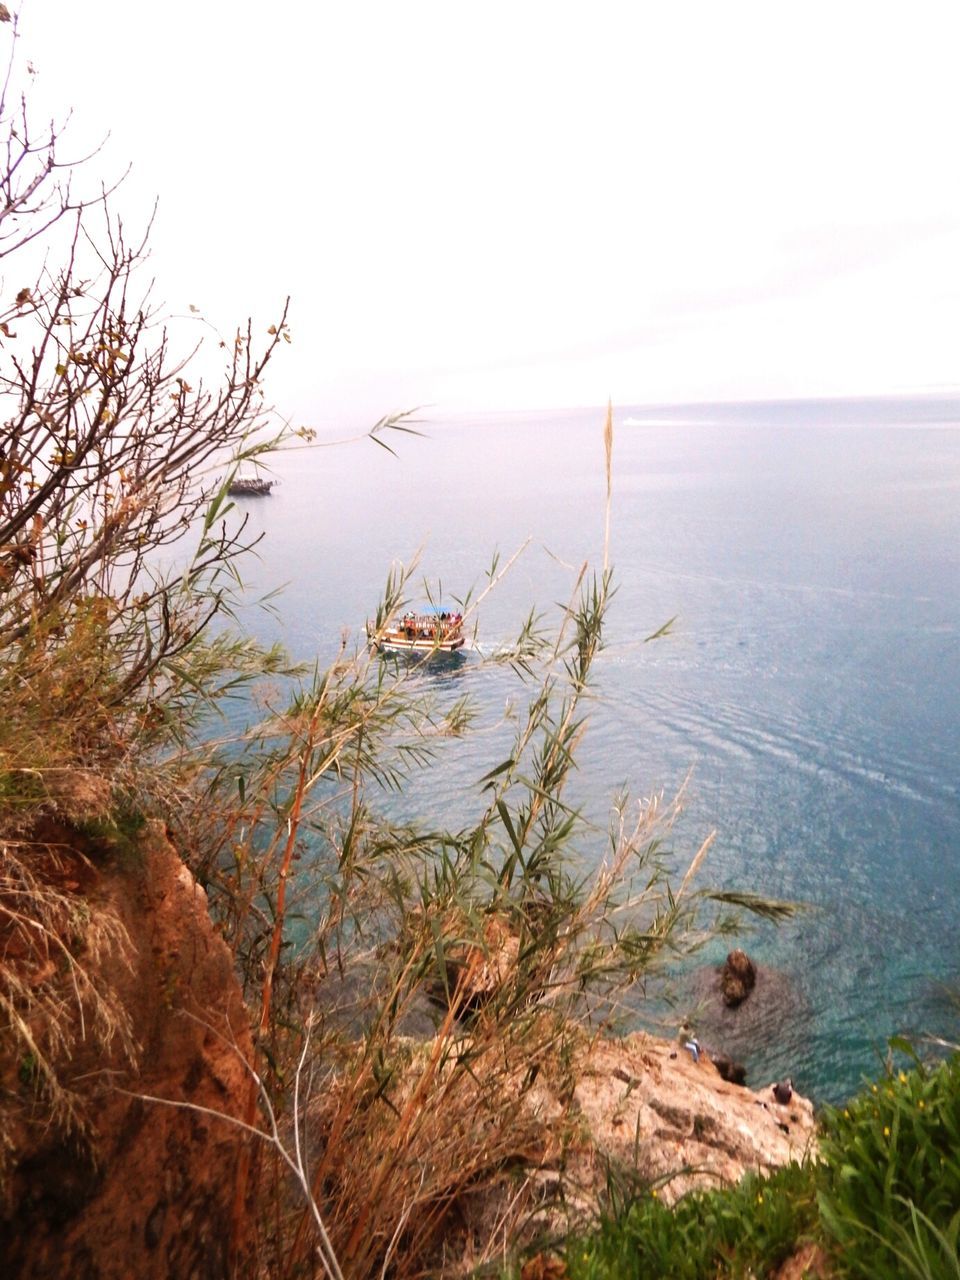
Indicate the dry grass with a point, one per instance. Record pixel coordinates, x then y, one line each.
64 770
58 947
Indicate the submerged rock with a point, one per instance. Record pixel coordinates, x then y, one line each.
771 1025
738 977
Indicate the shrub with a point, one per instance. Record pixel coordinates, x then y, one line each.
108 457
890 1184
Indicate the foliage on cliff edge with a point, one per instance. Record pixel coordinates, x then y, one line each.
109 458
882 1201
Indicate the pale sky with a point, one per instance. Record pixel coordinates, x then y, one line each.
525 204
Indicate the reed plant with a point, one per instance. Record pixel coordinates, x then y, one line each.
447 980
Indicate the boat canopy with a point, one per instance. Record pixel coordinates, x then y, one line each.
435 610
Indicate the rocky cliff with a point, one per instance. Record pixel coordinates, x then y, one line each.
133 1188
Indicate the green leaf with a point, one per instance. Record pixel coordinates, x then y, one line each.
495 773
662 631
899 1044
508 825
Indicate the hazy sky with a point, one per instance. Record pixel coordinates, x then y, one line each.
534 204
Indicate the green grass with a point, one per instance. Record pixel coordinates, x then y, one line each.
890 1185
118 832
750 1228
883 1201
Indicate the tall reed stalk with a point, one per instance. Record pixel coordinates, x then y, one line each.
494 941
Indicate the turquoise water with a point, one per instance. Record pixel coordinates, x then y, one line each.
811 682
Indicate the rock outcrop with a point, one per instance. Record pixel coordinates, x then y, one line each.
146 1190
738 977
642 1113
728 1068
648 1108
157 1191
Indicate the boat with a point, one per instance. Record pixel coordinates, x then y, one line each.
429 629
250 486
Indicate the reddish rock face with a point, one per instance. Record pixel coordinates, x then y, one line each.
153 1191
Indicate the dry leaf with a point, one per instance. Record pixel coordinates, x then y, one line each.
544 1267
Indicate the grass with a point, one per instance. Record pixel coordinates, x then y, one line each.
890 1190
749 1229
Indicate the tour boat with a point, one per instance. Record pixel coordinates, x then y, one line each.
250 486
429 629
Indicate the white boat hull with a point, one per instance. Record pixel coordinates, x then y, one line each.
400 644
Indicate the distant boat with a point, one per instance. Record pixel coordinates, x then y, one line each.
250 486
429 629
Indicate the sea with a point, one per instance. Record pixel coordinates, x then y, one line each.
805 698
